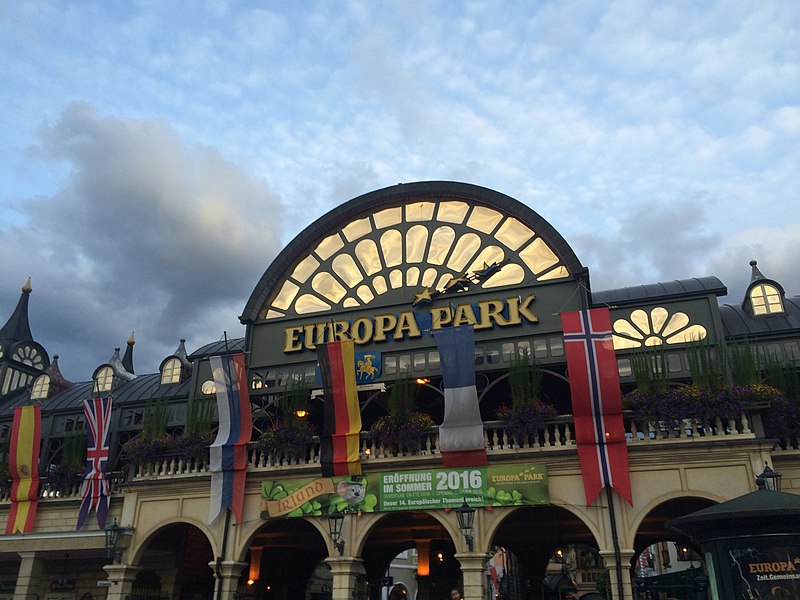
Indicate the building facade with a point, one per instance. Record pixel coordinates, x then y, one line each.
386 270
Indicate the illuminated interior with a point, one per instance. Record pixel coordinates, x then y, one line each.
423 244
654 328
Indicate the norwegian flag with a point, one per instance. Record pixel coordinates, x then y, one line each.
596 402
94 488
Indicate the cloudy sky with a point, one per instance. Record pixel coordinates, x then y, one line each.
155 156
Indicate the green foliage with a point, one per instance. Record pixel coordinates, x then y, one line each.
650 370
401 397
292 400
74 451
743 364
156 417
200 415
707 363
524 380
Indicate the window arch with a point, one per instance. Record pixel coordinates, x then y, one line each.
41 387
104 380
171 371
766 300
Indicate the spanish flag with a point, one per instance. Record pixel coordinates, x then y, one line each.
341 429
23 462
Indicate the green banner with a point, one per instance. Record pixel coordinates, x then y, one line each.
429 489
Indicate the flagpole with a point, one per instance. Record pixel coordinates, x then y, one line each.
223 554
612 517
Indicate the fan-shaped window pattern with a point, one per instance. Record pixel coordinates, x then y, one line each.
655 328
766 300
369 257
423 243
392 247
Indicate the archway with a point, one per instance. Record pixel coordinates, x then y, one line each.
421 541
666 563
174 563
538 545
285 561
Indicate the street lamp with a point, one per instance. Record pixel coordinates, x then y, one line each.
335 522
112 537
466 517
770 479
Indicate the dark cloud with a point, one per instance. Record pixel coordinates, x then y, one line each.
144 233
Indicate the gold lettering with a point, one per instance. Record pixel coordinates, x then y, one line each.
341 331
321 329
525 312
309 335
491 310
384 324
440 316
291 339
464 315
362 330
406 324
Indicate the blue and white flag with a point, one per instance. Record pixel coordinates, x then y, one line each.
228 453
461 432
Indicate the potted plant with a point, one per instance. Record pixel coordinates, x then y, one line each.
528 413
402 430
152 441
290 434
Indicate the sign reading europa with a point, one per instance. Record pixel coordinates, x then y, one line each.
411 324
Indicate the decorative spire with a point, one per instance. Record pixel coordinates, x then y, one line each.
119 368
57 381
756 275
127 360
181 354
18 329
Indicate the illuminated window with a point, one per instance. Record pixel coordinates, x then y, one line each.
208 388
655 328
171 372
421 244
104 380
766 300
41 386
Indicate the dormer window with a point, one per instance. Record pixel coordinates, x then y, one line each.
104 380
171 371
41 387
208 388
766 300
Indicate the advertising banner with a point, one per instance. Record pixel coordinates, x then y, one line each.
764 568
426 489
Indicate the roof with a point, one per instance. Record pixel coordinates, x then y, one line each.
398 195
738 322
218 347
679 288
757 512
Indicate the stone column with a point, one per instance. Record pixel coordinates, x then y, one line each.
29 577
626 555
346 573
473 565
121 578
227 579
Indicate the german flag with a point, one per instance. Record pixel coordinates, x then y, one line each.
23 462
342 426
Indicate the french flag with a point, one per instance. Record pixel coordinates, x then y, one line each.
228 453
461 432
596 402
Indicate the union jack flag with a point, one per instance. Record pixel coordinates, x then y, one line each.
94 488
